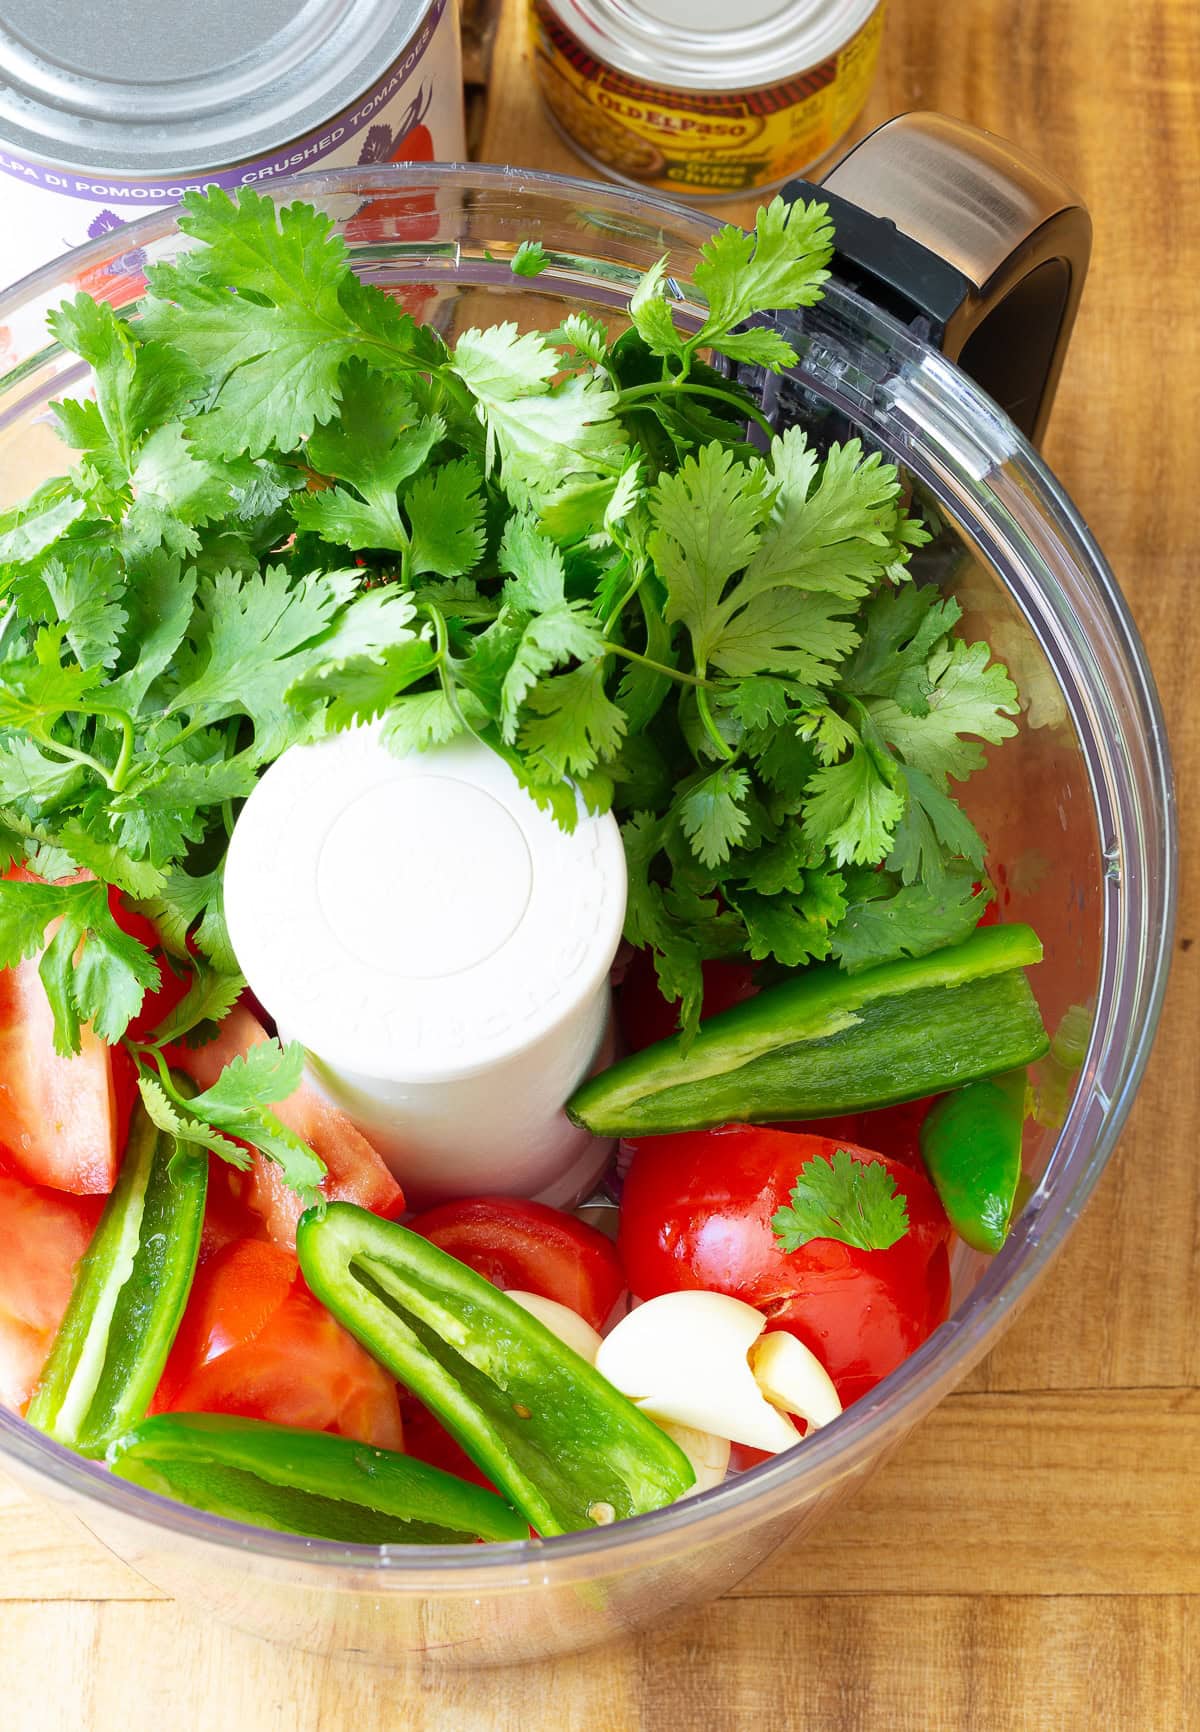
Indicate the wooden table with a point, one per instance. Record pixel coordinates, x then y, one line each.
1031 1558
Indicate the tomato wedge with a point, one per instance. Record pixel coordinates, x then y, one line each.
255 1342
58 1119
516 1243
44 1233
355 1172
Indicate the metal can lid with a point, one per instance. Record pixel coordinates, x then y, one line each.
709 44
160 86
416 919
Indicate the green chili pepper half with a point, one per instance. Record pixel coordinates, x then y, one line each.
129 1295
971 1145
829 1042
568 1449
308 1482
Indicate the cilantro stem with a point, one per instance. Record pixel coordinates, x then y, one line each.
70 755
120 774
619 649
638 393
724 749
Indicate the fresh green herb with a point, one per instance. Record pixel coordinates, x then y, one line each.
855 1202
529 260
237 1106
293 509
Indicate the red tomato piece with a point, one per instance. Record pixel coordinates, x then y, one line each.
696 1213
429 1441
644 1014
58 1119
172 985
517 1243
356 1173
255 1342
893 1131
44 1234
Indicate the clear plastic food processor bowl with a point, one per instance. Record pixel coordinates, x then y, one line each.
1077 813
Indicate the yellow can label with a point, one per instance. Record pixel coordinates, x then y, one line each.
706 143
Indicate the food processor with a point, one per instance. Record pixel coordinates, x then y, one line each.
938 342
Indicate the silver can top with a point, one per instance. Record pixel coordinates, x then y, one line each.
709 44
148 87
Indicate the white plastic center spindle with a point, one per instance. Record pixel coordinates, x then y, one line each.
441 948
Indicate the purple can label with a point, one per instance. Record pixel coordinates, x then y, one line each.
40 203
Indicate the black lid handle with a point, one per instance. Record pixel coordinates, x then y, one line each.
962 234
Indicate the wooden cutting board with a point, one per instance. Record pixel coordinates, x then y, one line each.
1031 1558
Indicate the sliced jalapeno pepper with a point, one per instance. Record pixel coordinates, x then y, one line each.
971 1145
568 1449
129 1294
829 1043
308 1482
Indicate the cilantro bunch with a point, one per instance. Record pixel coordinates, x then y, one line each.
292 509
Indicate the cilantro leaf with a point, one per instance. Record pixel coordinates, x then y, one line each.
185 902
209 998
419 721
969 695
586 335
245 646
361 688
651 314
899 630
571 723
27 774
706 522
529 260
83 592
780 265
92 971
713 816
238 1105
271 352
933 826
853 807
852 1201
445 512
171 1114
913 920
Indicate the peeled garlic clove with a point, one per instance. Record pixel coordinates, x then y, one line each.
708 1455
560 1320
793 1378
682 1358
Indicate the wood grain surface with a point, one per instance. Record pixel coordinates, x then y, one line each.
1031 1557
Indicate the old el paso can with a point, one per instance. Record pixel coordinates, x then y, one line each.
109 112
704 98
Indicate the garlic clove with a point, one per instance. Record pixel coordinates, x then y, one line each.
560 1320
793 1379
682 1358
708 1454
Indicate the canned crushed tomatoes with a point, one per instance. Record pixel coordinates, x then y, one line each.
701 98
104 117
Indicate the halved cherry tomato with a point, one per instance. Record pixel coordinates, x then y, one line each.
255 1342
517 1243
696 1213
355 1172
644 1014
43 1234
58 1118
